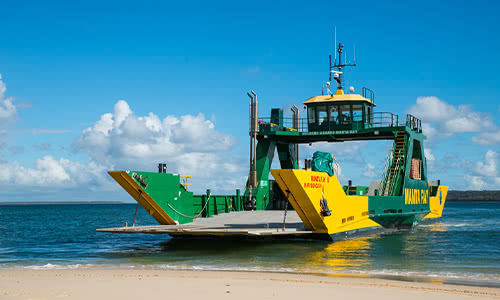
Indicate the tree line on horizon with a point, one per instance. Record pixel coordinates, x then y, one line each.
473 196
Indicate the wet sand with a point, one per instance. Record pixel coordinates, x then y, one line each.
172 284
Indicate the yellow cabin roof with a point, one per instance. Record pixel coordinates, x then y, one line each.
338 98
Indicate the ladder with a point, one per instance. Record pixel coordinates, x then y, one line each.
351 190
397 162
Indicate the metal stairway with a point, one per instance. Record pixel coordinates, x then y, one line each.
397 162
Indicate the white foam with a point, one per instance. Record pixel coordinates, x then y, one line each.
381 272
50 266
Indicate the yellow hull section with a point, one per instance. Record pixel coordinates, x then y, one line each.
304 189
307 188
436 203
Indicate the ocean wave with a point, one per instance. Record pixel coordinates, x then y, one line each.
450 225
50 266
216 268
444 277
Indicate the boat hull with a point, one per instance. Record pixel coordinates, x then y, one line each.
305 191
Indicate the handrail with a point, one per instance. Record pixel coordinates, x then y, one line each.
396 171
184 182
365 92
414 123
387 165
376 120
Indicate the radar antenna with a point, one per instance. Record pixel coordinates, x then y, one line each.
338 74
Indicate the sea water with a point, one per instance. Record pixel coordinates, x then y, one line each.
462 247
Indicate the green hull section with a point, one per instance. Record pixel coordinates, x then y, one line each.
170 193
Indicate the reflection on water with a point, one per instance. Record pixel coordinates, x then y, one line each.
340 255
437 226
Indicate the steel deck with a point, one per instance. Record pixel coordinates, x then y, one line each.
242 223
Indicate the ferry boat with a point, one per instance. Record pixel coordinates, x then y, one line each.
307 202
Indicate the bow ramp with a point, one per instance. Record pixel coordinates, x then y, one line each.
325 208
306 189
248 224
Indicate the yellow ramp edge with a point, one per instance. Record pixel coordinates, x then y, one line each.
142 197
307 189
291 198
436 205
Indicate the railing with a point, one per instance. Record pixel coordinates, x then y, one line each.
287 122
367 93
376 120
414 123
386 168
385 119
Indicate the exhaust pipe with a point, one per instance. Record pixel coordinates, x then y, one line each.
253 124
296 119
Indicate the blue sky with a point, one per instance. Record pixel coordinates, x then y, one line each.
65 65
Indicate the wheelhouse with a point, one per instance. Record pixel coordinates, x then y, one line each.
339 112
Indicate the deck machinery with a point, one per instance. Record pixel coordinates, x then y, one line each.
402 198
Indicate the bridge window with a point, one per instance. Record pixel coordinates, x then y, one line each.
357 113
345 112
334 114
322 115
311 112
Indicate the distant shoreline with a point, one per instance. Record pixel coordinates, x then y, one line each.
473 196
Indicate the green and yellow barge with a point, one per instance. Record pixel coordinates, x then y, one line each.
301 202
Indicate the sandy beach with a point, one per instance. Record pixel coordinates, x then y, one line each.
168 284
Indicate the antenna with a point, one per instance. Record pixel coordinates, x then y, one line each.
330 78
339 73
354 53
335 56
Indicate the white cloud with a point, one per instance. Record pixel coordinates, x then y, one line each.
351 150
369 171
428 154
476 182
467 120
49 173
489 166
430 132
485 173
189 145
48 177
431 109
430 159
487 138
7 107
441 120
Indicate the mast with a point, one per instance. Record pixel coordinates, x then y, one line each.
338 74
